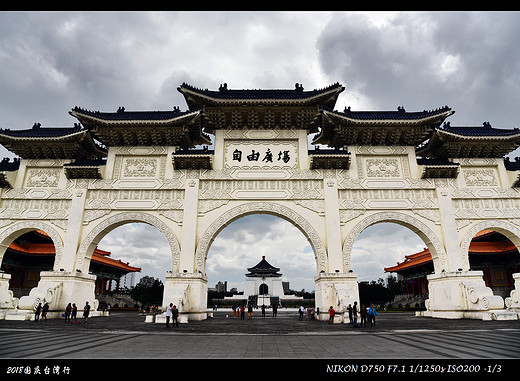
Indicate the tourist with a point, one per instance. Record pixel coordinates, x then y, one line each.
301 309
363 313
250 311
68 311
263 310
275 309
242 312
45 309
73 314
86 311
175 315
349 309
372 315
355 315
332 312
38 311
168 314
235 310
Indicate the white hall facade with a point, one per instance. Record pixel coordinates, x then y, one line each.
444 183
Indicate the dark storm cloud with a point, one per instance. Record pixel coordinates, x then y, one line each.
466 60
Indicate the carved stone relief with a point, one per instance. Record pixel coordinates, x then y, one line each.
478 177
42 177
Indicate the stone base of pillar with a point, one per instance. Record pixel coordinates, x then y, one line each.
513 301
189 292
7 301
463 294
59 288
337 290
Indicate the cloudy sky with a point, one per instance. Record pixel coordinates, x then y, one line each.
51 62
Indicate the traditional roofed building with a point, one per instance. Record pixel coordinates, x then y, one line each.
263 285
263 269
489 252
144 128
261 109
484 141
34 252
52 143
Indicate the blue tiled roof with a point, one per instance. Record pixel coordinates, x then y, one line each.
88 162
436 162
512 165
37 132
124 115
263 268
400 114
296 93
484 130
7 165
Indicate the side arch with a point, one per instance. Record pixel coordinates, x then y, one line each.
277 210
430 239
9 234
92 239
509 230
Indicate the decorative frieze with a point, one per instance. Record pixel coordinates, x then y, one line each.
134 199
138 167
480 177
296 189
42 177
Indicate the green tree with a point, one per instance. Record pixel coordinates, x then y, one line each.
149 291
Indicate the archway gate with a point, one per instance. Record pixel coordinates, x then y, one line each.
444 183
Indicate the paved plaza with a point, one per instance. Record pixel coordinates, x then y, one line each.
396 336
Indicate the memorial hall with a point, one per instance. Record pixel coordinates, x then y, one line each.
284 152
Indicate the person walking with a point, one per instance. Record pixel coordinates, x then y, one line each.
38 312
275 310
372 315
86 312
74 314
175 316
263 310
300 310
349 309
242 312
68 311
363 313
168 314
332 313
249 311
45 309
355 315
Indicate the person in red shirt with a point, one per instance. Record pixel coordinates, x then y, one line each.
331 315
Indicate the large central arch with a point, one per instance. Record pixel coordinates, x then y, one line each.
267 208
